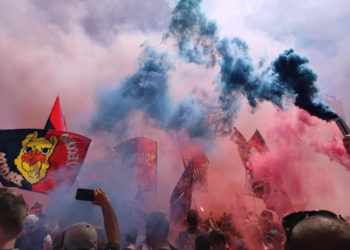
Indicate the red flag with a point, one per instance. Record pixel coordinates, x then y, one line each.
242 144
141 154
40 160
56 119
199 163
181 197
260 187
257 143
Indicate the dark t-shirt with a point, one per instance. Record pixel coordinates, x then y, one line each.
186 239
33 240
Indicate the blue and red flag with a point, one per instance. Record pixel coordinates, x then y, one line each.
38 159
181 197
56 119
199 163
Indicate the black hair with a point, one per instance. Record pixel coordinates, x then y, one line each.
157 224
217 237
131 236
13 211
193 218
202 242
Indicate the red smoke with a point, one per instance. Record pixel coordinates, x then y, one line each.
294 163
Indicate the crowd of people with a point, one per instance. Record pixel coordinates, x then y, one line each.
23 228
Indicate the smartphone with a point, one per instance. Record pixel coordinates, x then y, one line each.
343 126
85 194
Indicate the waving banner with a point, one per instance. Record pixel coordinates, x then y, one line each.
39 160
255 187
242 146
181 197
199 163
275 198
141 154
257 143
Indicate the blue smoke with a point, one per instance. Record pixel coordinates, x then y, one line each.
195 36
291 72
147 90
288 76
197 40
191 114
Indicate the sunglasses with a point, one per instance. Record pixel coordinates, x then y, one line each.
291 220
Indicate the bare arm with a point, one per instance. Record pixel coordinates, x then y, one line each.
109 216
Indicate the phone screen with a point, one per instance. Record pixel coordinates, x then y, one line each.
85 194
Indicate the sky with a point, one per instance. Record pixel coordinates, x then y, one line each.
89 52
55 48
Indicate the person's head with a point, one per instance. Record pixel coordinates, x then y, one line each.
217 240
30 223
37 208
202 242
157 227
192 218
130 237
80 236
13 211
320 230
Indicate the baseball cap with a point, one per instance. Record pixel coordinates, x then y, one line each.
80 236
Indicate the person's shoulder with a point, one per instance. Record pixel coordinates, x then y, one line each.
194 231
200 232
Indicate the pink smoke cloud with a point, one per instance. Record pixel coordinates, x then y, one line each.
301 158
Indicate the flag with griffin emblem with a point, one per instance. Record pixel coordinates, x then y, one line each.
141 154
40 160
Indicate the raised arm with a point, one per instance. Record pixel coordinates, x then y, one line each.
109 216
